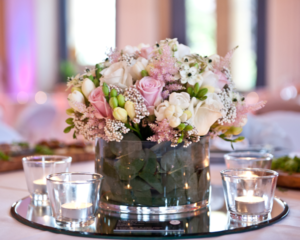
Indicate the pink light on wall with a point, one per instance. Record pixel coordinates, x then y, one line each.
20 50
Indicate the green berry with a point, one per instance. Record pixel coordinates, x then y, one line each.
113 102
105 89
113 93
144 73
121 100
181 126
188 128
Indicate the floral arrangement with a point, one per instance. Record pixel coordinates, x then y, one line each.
160 93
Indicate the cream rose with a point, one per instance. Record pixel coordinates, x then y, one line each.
180 99
139 66
117 74
204 114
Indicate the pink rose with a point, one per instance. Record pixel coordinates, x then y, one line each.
147 52
150 89
97 99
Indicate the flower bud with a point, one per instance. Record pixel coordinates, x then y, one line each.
149 67
120 114
87 87
169 111
76 88
188 114
129 106
183 117
113 102
174 48
75 96
178 111
174 122
121 100
196 88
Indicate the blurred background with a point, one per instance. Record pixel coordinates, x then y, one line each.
42 42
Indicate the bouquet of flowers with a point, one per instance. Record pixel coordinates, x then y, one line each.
160 93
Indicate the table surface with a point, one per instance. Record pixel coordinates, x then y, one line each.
13 187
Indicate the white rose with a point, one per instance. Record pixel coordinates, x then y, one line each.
139 66
180 99
182 50
87 87
117 74
75 96
204 114
130 50
159 110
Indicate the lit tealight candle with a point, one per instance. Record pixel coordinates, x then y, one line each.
248 175
39 186
75 210
250 204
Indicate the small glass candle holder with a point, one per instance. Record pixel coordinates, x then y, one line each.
239 160
37 168
249 193
74 198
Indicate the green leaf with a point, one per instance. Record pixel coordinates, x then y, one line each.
151 163
70 111
143 197
129 166
74 135
70 121
192 191
3 156
139 184
151 180
43 150
68 129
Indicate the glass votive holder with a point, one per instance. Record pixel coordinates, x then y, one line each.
74 198
249 193
239 160
37 168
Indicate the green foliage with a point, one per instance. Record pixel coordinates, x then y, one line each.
40 149
287 164
68 129
3 156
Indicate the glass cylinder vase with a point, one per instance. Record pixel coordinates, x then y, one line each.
150 178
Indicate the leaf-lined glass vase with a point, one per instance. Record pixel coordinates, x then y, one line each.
146 177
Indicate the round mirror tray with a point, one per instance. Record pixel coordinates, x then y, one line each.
212 221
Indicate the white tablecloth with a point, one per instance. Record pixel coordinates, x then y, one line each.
13 187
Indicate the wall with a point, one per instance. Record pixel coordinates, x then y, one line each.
144 21
283 43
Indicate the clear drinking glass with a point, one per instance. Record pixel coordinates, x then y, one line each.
238 160
249 193
74 197
37 168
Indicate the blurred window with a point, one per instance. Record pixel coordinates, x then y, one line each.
91 28
201 28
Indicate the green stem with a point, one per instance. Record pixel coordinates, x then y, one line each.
135 129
